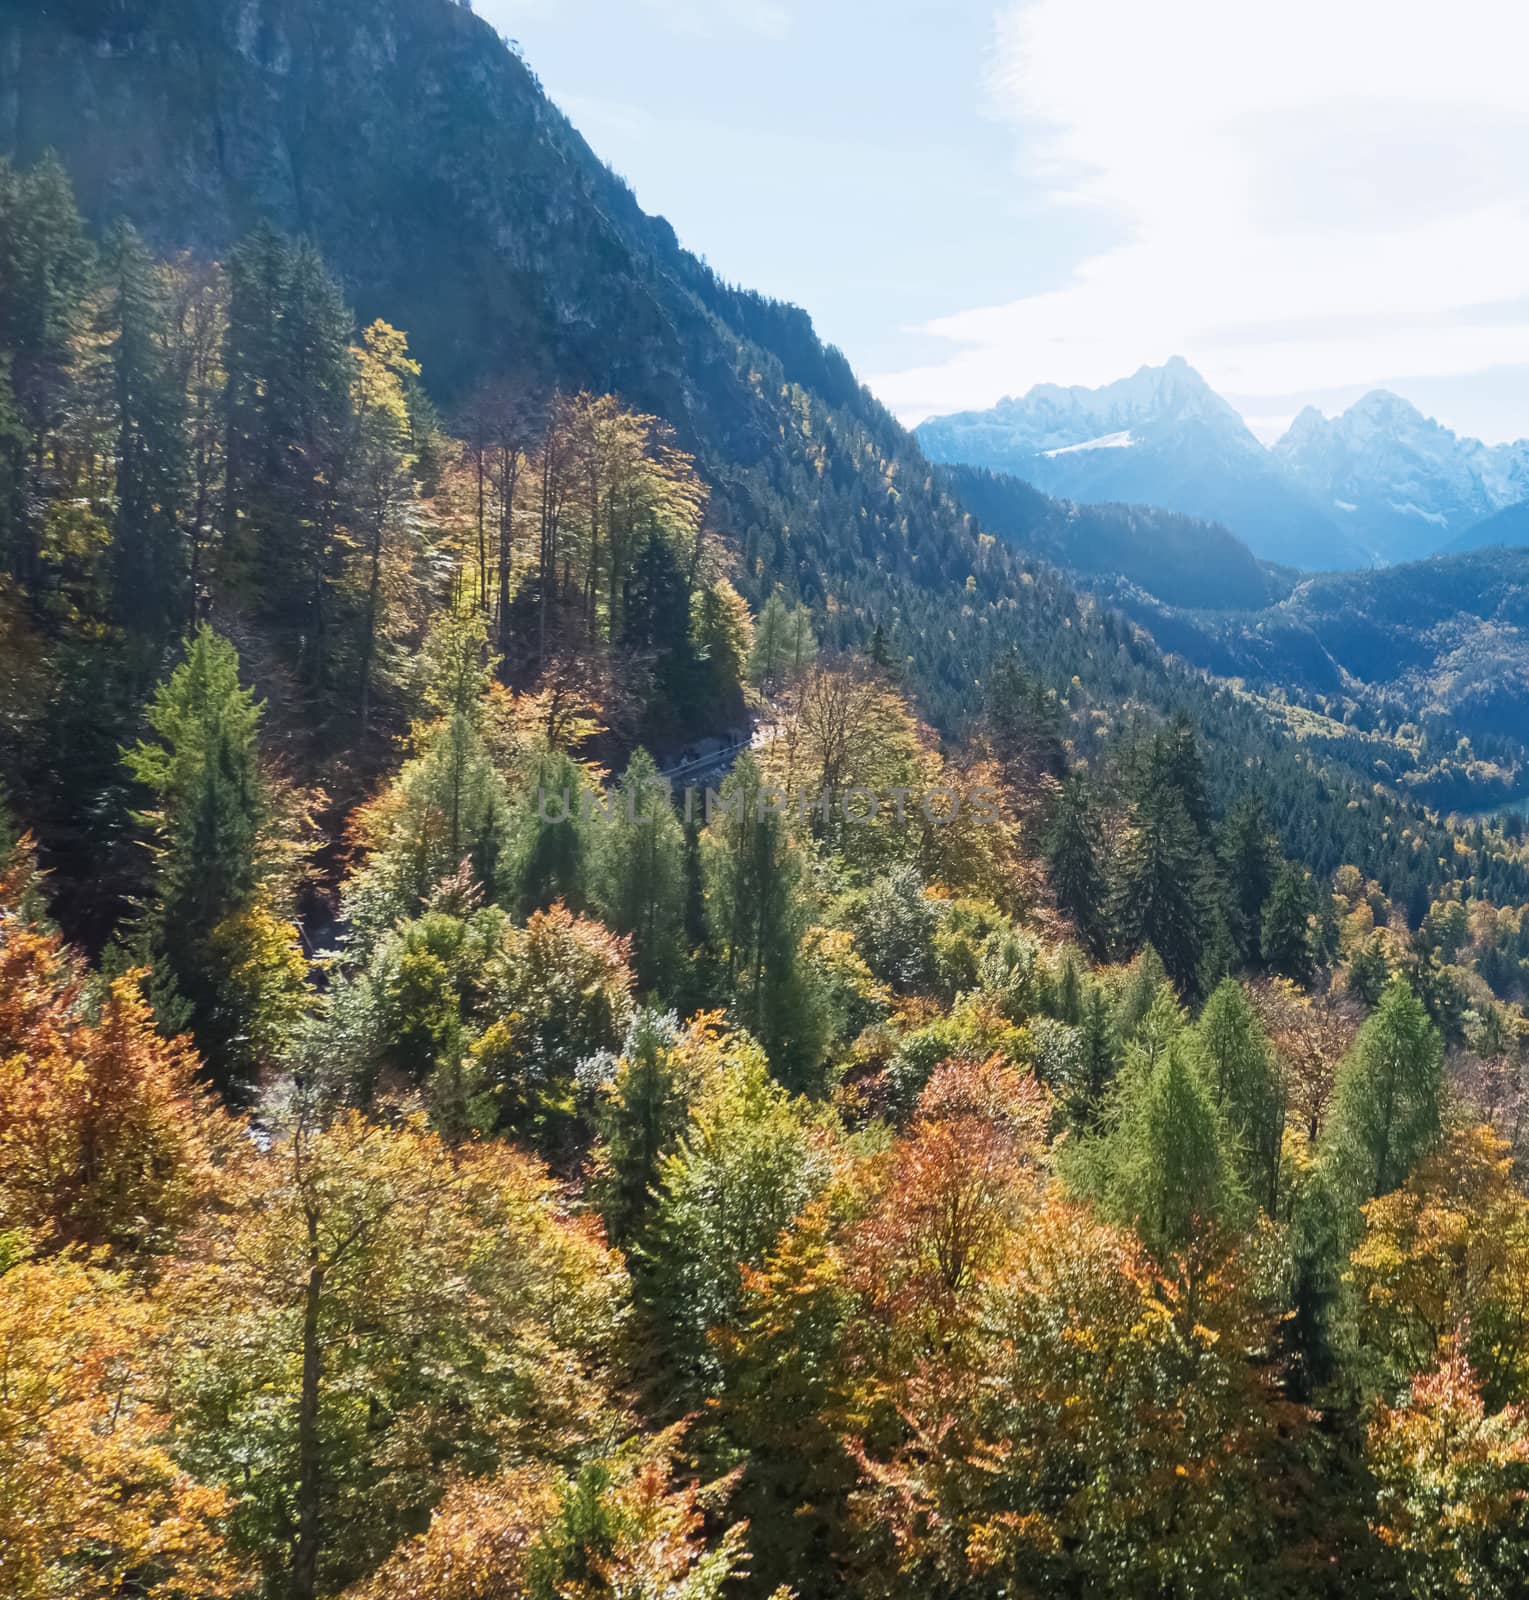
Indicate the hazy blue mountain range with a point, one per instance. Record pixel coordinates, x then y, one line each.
1378 484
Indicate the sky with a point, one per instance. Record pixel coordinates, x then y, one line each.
1307 201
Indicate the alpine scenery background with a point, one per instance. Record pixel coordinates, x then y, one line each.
629 971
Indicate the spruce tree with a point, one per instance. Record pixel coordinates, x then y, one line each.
47 270
1074 853
1174 762
1098 1061
212 815
555 863
638 876
1167 1168
1388 1098
150 567
1286 937
1249 854
758 915
1162 899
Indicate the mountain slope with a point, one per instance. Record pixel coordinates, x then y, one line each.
1161 437
1179 559
456 201
1508 527
1442 644
452 198
1399 480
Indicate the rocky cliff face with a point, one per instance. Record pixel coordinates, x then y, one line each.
413 147
421 156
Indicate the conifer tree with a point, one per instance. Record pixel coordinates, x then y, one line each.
757 911
1286 937
1388 1100
1168 1165
1074 852
1098 1061
556 862
1161 899
1175 762
1249 855
210 923
149 548
1236 1054
47 269
639 872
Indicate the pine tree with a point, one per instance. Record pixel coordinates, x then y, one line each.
754 896
1175 762
1074 852
638 875
556 865
210 924
641 1121
1161 899
1286 937
1098 1061
1249 855
1240 1064
47 270
1369 970
1167 1166
150 567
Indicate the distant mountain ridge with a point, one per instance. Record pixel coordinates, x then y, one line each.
1406 483
1380 483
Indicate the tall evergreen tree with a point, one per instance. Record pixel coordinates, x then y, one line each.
1249 855
1174 761
1241 1066
47 270
1162 899
639 873
1388 1099
211 821
1168 1167
758 912
1074 852
1097 1061
1287 937
150 568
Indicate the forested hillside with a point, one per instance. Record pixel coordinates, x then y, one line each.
1426 661
1046 1123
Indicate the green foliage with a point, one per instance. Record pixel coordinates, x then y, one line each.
1241 1067
1161 899
213 860
1287 937
1075 855
638 873
743 1169
1387 1105
756 910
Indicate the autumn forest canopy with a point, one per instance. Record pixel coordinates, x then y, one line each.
437 1165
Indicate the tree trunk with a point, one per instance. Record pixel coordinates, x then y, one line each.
305 1562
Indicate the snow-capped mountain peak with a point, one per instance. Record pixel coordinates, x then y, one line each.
1379 482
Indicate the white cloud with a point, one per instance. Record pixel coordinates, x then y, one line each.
1319 194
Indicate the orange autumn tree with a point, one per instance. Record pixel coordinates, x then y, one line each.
1093 1434
92 1504
619 1527
105 1136
1452 1485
